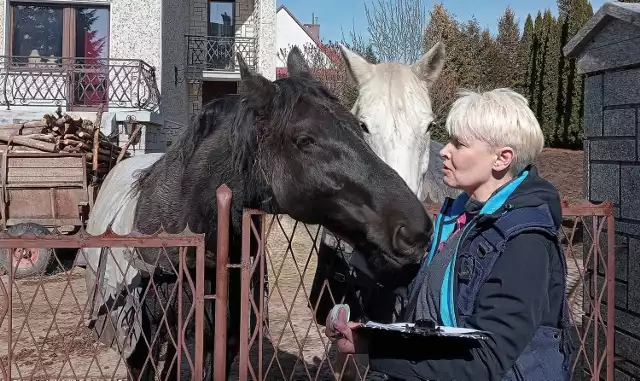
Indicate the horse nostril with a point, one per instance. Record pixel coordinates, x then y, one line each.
402 241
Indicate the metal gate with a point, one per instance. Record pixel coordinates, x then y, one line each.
289 344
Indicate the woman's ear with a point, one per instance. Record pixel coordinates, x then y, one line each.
504 158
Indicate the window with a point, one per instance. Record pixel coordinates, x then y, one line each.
221 31
42 34
221 18
50 31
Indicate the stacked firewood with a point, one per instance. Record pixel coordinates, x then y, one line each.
60 132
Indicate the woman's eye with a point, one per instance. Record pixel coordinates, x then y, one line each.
304 141
364 127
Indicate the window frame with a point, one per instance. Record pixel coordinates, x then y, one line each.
69 35
67 65
233 16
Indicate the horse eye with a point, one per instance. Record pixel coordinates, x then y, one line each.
304 141
364 127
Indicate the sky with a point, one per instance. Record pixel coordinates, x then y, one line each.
337 15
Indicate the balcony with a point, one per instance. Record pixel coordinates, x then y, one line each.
78 84
215 57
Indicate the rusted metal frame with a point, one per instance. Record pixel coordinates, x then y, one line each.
594 314
4 310
245 287
579 210
258 307
84 240
222 282
81 241
4 196
10 329
301 285
263 303
610 279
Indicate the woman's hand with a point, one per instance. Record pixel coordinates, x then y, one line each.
344 336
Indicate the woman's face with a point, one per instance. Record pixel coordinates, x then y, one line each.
467 164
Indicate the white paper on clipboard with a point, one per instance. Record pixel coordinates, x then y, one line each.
410 329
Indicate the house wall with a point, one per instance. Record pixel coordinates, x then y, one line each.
612 168
133 35
288 34
175 25
253 19
243 18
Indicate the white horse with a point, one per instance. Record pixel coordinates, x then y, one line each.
395 111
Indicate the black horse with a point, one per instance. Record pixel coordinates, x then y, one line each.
284 147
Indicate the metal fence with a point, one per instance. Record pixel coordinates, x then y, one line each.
78 83
290 344
45 334
51 328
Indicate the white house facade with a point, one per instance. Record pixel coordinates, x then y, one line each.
150 61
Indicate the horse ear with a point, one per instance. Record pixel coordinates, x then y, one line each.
296 64
255 86
429 66
358 68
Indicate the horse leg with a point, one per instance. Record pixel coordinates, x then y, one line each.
141 369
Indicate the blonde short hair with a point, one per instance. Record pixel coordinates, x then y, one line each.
501 117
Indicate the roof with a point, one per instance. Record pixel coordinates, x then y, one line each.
628 12
333 55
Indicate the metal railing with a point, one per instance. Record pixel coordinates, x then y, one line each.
78 83
289 343
211 53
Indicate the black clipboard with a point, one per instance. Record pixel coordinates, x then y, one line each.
425 329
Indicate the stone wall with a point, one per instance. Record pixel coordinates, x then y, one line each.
612 144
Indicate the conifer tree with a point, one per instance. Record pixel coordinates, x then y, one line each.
507 43
525 56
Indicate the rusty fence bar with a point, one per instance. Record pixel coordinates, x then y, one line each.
288 343
59 286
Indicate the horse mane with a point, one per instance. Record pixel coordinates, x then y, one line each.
240 115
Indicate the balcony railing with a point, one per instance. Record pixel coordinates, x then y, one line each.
209 53
78 83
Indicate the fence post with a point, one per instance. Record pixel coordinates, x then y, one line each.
611 284
223 195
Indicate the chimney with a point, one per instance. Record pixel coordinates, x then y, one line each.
314 27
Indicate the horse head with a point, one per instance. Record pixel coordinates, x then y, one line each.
394 109
317 168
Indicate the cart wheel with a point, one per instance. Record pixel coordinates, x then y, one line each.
30 261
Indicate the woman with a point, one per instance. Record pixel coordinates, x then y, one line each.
494 263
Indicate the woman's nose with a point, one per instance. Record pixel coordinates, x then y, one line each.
443 151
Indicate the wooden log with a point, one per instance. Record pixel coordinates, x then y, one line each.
50 120
27 142
75 143
101 158
70 128
77 120
42 137
87 125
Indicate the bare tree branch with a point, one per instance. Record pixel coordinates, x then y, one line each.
395 29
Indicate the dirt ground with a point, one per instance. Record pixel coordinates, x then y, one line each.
50 340
290 271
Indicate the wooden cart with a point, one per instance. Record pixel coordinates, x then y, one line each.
41 193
